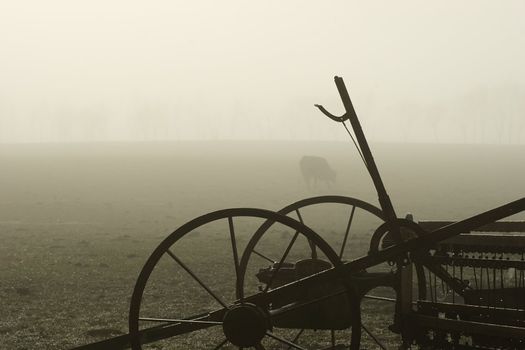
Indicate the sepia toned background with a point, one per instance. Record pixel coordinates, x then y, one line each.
129 70
122 120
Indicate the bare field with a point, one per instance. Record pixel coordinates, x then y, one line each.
77 222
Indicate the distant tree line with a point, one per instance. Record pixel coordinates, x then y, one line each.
494 114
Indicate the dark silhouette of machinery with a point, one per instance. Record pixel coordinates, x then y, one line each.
458 285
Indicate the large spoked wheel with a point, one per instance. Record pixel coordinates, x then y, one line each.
189 295
347 224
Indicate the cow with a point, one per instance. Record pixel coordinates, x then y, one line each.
315 170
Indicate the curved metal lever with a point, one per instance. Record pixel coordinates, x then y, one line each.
346 101
331 116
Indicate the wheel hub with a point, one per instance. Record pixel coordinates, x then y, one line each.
245 325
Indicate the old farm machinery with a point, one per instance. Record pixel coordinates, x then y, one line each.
454 285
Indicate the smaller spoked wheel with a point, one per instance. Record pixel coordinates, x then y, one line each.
346 224
383 239
189 293
410 276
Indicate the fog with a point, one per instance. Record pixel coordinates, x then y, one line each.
447 72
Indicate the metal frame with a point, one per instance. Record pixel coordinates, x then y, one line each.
403 254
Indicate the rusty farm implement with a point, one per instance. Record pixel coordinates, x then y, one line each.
455 285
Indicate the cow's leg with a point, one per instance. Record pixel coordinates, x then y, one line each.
308 181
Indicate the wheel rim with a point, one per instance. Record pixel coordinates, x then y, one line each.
215 318
295 207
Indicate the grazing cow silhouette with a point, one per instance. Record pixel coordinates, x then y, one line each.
315 170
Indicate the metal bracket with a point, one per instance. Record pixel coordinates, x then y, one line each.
331 116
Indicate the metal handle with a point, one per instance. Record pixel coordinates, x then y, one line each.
384 199
331 116
350 112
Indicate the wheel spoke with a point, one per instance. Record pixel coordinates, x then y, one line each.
221 344
332 336
296 338
347 232
235 258
374 338
284 341
263 256
312 245
173 320
283 258
187 269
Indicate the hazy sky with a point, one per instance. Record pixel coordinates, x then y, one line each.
448 71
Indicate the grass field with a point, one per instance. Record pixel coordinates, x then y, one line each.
77 222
